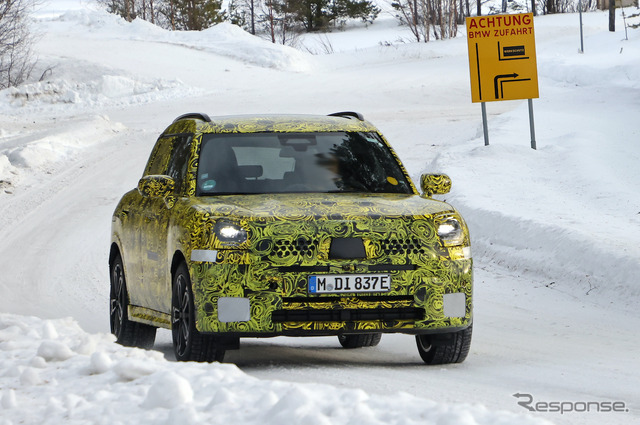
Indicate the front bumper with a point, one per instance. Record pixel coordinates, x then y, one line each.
241 295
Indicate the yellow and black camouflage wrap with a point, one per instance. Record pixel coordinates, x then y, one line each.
288 239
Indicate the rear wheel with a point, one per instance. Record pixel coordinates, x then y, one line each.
127 332
445 348
360 340
188 343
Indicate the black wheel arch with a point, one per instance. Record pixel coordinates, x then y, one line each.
128 333
114 251
178 258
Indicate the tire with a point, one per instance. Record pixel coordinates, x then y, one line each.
360 340
127 332
445 348
188 343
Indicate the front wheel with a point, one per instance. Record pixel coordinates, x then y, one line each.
452 347
188 343
127 332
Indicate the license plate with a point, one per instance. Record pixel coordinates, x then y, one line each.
340 283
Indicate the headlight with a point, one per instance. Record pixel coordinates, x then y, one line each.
451 232
229 233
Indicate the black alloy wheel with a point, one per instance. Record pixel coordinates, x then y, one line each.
127 332
188 343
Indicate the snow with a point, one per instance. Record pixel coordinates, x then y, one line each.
86 378
555 231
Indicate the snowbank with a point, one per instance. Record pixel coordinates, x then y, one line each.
103 90
86 378
568 211
40 151
223 39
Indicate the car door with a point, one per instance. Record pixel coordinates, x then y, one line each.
172 160
142 215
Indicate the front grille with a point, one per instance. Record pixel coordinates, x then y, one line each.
401 246
301 246
348 315
341 248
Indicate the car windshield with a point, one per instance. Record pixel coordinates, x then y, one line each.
298 162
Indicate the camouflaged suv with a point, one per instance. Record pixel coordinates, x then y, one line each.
260 226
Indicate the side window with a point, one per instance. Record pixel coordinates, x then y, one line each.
177 167
159 159
170 157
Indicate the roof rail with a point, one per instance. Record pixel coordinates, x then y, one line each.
196 115
348 114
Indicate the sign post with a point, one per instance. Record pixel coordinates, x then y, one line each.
581 38
502 61
532 126
485 128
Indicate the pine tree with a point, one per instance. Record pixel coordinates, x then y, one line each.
314 15
197 15
172 14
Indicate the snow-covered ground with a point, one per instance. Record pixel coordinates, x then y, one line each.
556 231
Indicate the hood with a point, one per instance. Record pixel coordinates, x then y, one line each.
333 206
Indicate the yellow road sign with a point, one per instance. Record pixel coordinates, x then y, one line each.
502 57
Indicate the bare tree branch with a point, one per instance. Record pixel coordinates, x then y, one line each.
429 18
16 40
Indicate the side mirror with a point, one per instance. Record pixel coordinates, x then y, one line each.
435 184
156 186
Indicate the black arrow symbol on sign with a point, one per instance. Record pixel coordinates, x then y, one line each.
495 81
